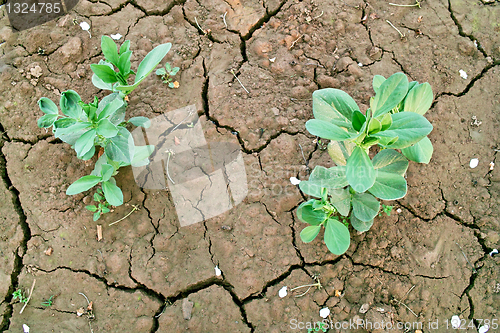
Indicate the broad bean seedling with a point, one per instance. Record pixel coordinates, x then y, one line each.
348 192
102 123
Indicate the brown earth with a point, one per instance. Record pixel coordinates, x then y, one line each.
425 263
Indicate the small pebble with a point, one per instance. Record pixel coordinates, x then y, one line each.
455 322
283 292
474 163
463 74
325 312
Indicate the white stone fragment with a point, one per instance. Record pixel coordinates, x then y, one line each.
455 322
116 36
218 272
272 59
294 181
283 292
26 328
493 252
463 74
492 165
325 312
85 26
474 163
360 64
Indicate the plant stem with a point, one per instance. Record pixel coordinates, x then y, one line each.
29 296
168 160
123 218
239 81
392 25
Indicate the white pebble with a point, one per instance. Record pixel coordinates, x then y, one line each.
455 322
85 26
116 36
493 252
325 312
474 163
360 64
272 59
294 181
26 328
218 272
463 74
484 329
283 292
492 165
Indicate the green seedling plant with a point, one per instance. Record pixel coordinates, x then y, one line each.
167 73
18 294
318 326
349 191
87 126
48 302
386 210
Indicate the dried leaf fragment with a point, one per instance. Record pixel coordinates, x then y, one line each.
338 293
49 251
80 312
99 232
177 141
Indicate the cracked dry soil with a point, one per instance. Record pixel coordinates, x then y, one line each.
412 267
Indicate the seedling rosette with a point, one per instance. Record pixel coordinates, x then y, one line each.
350 190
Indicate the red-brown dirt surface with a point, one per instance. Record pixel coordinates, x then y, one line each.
425 263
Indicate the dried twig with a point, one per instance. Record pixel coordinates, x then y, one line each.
169 152
400 302
417 4
295 41
204 32
123 218
232 72
318 15
400 33
29 296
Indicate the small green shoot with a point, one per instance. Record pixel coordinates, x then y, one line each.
318 326
48 302
18 294
386 209
102 207
166 75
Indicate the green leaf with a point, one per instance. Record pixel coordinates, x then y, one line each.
98 197
83 184
64 122
174 71
69 104
309 233
358 119
307 214
326 130
121 147
359 225
391 92
100 84
388 186
106 128
360 172
106 74
329 104
322 177
109 49
141 155
151 60
105 210
365 206
341 200
91 208
119 115
389 160
125 47
409 127
106 172
110 108
377 82
420 152
47 106
161 71
96 216
419 99
47 120
386 121
124 63
337 238
112 193
374 126
140 121
85 142
340 151
88 155
72 133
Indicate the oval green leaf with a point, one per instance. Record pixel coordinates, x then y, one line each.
337 237
326 130
105 73
47 106
150 61
420 152
69 104
391 92
419 99
360 172
109 49
83 184
409 127
112 193
106 172
308 234
389 186
106 128
330 103
85 143
307 214
389 160
47 120
359 225
140 121
365 206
